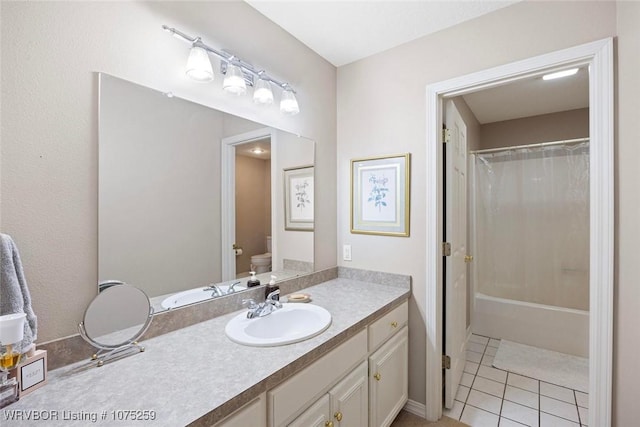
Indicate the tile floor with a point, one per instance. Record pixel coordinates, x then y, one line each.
490 397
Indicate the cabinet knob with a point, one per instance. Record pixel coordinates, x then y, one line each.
394 324
338 416
377 376
328 424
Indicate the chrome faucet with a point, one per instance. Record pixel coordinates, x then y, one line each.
232 287
269 305
217 292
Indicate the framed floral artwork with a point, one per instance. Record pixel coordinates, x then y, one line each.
380 195
298 198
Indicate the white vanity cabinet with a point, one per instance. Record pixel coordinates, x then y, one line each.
252 414
363 382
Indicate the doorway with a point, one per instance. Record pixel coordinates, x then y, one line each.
254 240
253 207
598 57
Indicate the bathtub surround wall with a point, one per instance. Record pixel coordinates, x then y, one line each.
548 327
51 53
513 33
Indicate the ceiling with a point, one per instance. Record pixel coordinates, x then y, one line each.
534 97
345 31
248 149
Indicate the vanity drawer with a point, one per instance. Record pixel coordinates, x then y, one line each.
290 398
383 328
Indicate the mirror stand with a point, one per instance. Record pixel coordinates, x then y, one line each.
105 354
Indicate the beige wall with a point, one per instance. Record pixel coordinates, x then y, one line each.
51 52
397 107
531 130
252 194
626 346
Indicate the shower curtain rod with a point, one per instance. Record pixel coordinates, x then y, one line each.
537 145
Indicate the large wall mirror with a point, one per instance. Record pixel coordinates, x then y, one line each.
191 197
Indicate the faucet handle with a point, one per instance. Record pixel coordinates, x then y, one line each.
250 302
271 295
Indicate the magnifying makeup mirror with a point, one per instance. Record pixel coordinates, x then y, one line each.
115 320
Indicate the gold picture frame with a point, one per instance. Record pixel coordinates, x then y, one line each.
380 192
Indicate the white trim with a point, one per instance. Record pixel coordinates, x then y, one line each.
228 195
416 408
599 56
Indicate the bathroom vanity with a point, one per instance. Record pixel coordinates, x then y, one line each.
354 373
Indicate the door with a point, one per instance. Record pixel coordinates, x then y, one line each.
350 399
388 380
455 233
317 415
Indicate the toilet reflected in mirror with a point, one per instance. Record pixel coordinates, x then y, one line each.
261 263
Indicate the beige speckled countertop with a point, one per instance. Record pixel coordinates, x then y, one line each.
196 375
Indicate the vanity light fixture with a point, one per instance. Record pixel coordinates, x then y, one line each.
198 65
288 102
234 81
238 74
262 93
559 74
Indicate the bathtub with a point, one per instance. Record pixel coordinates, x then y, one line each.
553 328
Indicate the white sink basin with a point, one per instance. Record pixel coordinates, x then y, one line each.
194 295
289 324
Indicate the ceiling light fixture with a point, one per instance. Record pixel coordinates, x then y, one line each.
257 150
238 74
559 74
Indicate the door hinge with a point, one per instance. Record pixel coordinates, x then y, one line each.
446 135
446 249
446 362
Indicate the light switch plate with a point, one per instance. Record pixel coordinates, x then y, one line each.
346 252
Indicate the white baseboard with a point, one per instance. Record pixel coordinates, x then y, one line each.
416 408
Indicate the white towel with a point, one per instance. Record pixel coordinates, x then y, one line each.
14 293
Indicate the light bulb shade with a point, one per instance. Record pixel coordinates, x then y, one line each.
289 103
262 93
198 65
234 81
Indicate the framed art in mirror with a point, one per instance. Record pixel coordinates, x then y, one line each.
299 204
380 195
